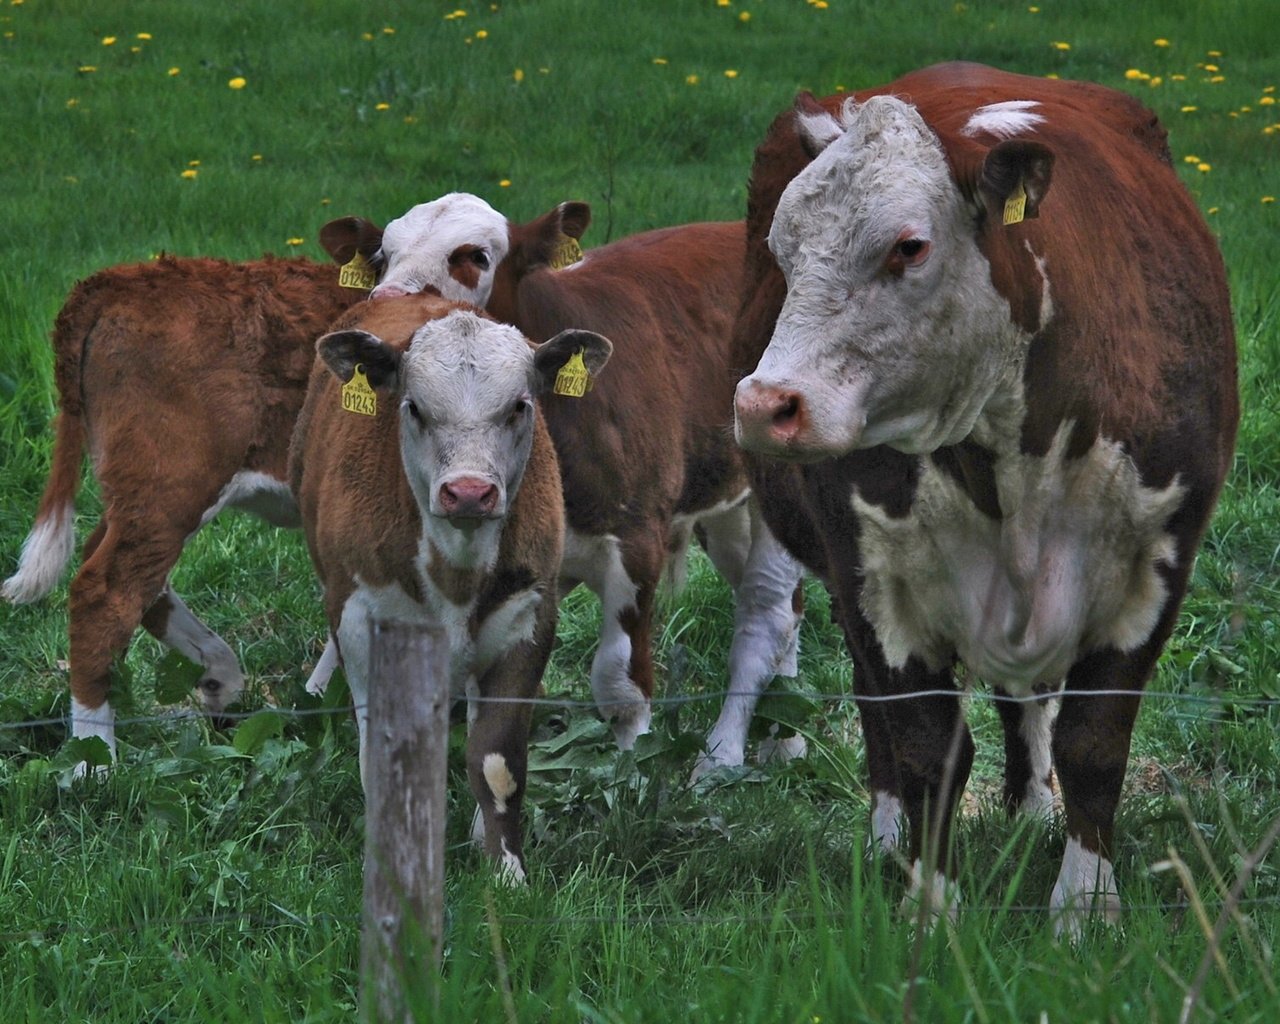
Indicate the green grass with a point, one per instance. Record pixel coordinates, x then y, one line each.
205 881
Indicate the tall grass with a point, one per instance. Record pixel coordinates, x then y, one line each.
205 880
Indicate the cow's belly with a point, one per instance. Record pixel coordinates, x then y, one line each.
1072 567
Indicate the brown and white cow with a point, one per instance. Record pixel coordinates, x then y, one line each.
988 335
439 502
647 455
182 379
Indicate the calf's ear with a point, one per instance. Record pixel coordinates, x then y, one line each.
551 356
815 125
346 236
540 242
575 218
343 351
1010 164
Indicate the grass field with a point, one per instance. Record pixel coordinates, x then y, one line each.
218 876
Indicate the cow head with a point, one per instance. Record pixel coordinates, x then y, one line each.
891 332
457 245
465 386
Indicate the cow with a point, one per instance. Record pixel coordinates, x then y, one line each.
182 379
648 455
435 497
988 381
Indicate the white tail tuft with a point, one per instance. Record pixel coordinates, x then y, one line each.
45 554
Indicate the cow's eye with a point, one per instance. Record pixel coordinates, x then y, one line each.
912 250
519 411
481 259
415 414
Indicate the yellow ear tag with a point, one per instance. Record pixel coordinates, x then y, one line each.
1015 207
573 379
566 253
358 396
357 274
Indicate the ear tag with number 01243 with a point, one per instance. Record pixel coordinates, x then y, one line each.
1015 207
356 273
358 396
566 253
573 379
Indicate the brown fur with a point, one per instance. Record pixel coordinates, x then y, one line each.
1140 350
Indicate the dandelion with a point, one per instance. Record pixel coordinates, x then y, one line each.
135 49
730 73
690 79
144 36
1266 101
1211 68
744 17
295 241
1160 42
1268 199
1155 80
190 173
504 183
1033 10
256 158
1203 167
72 102
518 75
1268 88
660 60
1189 159
410 119
193 163
1214 53
108 40
87 69
1218 78
1177 78
325 201
1061 46
388 31
482 34
237 83
1211 211
174 71
367 36
723 3
382 106
1190 109
1133 74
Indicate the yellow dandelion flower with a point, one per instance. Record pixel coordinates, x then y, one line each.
1033 10
135 49
1203 167
518 75
744 16
174 71
1268 199
482 34
1189 159
190 172
730 73
1061 46
367 36
1154 81
1178 78
382 106
1218 78
1211 67
295 241
237 83
256 158
544 71
660 60
1211 211
504 183
1214 53
722 3
410 119
1268 88
1160 42
193 163
108 40
1189 109
87 69
388 31
1051 74
144 36
1269 130
690 79
1267 101
1246 110
820 4
325 201
72 102
1133 74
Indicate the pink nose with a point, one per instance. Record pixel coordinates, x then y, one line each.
768 417
387 291
468 497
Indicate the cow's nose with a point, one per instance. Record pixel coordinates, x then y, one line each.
468 497
768 416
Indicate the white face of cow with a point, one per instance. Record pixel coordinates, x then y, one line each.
891 332
452 244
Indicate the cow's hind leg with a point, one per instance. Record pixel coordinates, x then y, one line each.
1028 752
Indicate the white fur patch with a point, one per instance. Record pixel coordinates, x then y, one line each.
1004 120
318 682
262 494
1086 885
501 782
887 817
45 554
940 895
1036 732
87 722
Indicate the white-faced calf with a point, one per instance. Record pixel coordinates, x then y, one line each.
438 500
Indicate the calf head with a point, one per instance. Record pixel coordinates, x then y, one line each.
465 387
891 331
459 246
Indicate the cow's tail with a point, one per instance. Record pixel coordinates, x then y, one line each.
49 545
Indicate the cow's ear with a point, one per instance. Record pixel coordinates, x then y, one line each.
815 125
550 240
346 236
1011 170
343 351
552 355
575 218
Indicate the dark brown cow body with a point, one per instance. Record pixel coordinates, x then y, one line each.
1082 466
182 379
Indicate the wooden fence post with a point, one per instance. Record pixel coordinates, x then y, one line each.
406 751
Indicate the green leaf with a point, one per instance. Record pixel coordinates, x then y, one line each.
255 730
176 676
92 750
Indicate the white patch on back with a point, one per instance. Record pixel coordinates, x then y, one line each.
1072 568
45 553
1003 120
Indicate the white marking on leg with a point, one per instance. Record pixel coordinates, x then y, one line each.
45 554
1036 730
501 783
318 682
939 894
194 640
786 749
1086 886
886 821
477 827
510 870
87 722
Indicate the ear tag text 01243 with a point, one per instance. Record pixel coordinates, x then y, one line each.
573 380
358 396
566 253
356 273
1015 207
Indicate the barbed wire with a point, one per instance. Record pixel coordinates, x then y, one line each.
678 700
